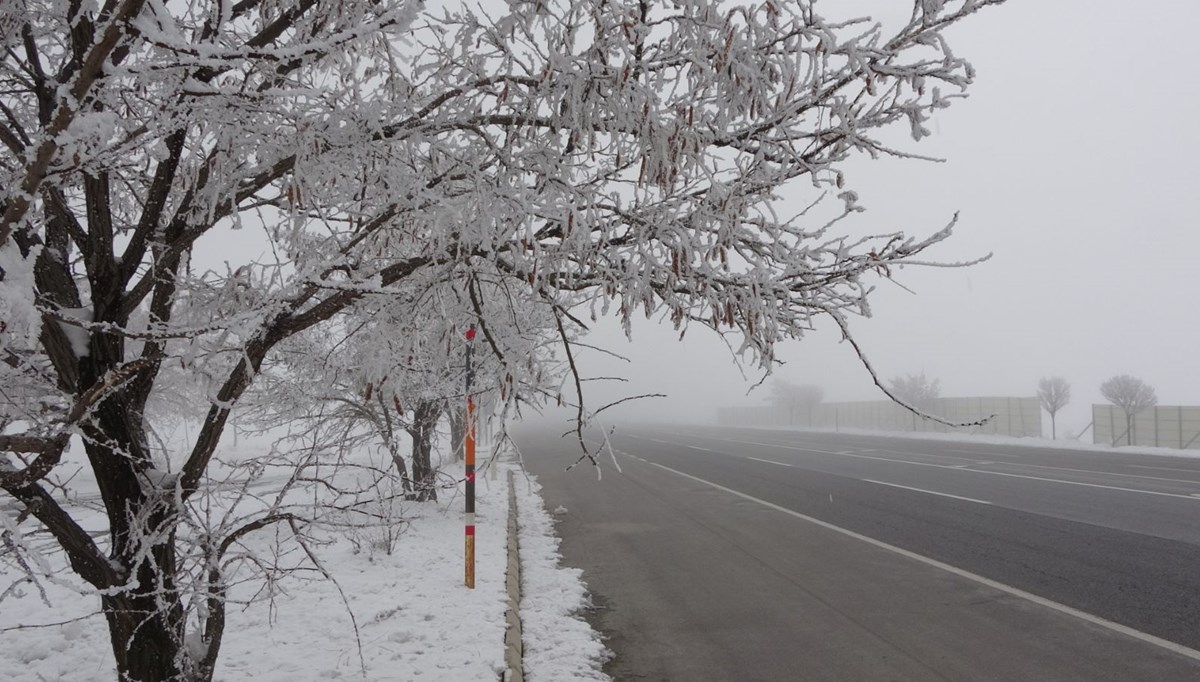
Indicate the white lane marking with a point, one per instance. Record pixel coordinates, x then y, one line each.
1016 592
776 445
697 447
1047 480
973 453
1093 472
843 453
980 471
1143 466
771 461
929 492
1188 496
982 462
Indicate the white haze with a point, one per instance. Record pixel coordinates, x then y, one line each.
1073 162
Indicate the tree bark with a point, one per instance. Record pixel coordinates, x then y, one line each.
389 440
147 640
425 418
458 431
145 620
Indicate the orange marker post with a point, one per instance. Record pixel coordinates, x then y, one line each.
469 455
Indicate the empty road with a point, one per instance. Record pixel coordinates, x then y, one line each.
746 554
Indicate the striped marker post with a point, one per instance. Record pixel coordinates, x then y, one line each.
469 455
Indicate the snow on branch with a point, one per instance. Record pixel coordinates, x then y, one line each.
261 211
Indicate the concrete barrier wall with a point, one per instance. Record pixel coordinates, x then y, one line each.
1164 426
1010 416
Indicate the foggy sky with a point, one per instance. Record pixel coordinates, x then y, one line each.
1072 162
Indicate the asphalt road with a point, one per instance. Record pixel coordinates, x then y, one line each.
742 554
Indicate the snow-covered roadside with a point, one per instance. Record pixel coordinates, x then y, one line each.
415 620
412 617
1062 444
559 645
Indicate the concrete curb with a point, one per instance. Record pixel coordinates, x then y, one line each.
513 649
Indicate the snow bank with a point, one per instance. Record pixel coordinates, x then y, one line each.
559 644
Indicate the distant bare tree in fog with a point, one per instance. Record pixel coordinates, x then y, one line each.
916 389
1132 395
796 398
1054 393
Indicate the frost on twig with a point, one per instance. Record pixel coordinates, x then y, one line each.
374 179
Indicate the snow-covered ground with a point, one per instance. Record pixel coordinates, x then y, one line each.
559 646
381 617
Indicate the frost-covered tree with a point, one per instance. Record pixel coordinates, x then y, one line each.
916 392
399 365
1055 393
796 398
916 389
584 156
1132 395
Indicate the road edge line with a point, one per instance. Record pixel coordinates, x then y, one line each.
975 577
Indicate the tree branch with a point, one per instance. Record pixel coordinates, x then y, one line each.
20 202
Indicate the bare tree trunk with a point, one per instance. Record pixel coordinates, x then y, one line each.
425 418
389 439
458 430
146 641
145 615
402 469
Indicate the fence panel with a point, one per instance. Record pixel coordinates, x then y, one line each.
1164 426
1010 416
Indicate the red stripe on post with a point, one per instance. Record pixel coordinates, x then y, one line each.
469 456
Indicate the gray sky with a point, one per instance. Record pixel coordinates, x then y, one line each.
1073 162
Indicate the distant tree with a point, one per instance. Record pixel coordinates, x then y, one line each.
1054 393
1132 395
916 389
794 398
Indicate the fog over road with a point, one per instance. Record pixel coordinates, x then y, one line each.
782 555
